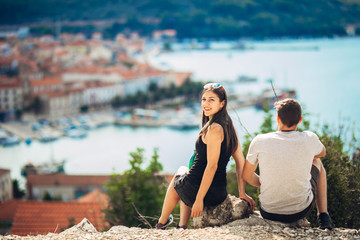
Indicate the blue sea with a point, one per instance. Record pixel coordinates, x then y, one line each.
324 72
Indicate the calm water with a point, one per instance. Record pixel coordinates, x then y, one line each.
327 81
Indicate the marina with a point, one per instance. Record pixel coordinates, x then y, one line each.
179 118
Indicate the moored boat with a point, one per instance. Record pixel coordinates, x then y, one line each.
268 97
10 140
44 168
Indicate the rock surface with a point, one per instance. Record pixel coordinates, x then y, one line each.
231 209
253 227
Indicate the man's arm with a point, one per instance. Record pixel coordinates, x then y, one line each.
239 166
321 154
249 174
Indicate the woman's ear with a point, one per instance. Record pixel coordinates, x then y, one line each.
222 104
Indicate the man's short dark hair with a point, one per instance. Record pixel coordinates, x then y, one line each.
289 111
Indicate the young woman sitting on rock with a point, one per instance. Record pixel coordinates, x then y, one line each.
204 184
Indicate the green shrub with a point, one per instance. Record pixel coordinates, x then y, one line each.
343 180
136 190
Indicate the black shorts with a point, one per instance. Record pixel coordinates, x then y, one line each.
187 192
315 174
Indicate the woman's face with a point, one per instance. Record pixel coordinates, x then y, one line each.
211 104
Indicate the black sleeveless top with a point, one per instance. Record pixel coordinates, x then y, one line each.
196 172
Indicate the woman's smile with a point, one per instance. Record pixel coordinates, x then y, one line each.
211 103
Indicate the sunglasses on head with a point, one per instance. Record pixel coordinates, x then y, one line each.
212 86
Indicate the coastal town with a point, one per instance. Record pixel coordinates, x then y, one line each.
55 79
54 86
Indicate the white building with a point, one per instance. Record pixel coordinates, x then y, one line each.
6 191
98 93
11 97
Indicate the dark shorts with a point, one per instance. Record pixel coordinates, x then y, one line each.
315 174
187 192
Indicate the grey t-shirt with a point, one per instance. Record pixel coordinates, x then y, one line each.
285 161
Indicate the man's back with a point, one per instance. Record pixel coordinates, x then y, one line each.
285 161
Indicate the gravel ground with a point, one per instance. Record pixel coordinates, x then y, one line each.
249 228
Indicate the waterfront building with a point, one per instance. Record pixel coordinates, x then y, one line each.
99 94
100 52
61 103
62 186
78 48
91 73
11 98
45 85
6 190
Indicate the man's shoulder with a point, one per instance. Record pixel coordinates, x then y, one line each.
309 134
277 134
264 136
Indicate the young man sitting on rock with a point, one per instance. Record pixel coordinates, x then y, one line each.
292 177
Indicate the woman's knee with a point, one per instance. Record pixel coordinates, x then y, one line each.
182 170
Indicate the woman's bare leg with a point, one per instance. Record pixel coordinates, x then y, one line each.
171 198
170 201
185 212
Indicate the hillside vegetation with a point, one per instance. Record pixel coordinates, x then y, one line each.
195 18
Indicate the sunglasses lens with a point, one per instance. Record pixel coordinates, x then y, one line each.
212 85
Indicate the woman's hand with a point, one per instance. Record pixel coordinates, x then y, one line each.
197 209
249 199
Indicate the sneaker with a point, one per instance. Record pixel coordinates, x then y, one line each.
164 226
181 227
325 221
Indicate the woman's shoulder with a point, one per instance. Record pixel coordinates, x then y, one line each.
215 129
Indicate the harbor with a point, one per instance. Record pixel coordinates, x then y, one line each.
179 118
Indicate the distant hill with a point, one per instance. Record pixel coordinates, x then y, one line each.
191 18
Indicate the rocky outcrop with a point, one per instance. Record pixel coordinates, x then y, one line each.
231 209
83 227
253 227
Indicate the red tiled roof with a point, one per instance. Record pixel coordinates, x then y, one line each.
95 84
67 180
55 94
7 82
77 43
46 81
96 196
8 209
180 77
33 218
6 61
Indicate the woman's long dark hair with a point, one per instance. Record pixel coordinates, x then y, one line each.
221 117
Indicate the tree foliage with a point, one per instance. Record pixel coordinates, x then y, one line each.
191 18
136 189
189 89
343 179
18 193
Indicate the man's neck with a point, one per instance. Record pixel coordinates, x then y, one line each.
287 129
